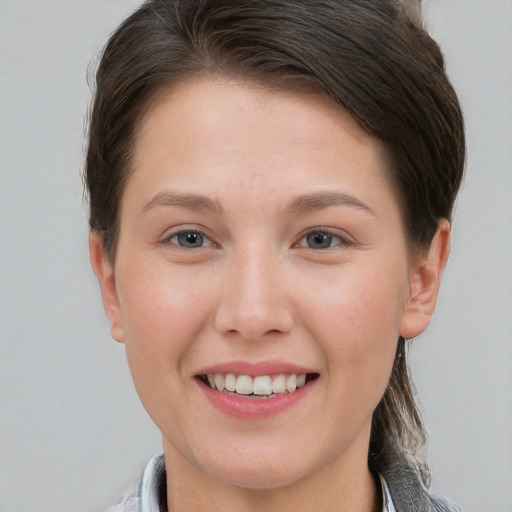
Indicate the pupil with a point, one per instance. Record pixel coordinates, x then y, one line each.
319 240
190 239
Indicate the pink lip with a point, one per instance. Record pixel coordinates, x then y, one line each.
253 409
269 367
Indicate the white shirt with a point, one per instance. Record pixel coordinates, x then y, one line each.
386 497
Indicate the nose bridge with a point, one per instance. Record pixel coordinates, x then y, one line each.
254 295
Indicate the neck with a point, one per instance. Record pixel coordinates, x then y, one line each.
343 485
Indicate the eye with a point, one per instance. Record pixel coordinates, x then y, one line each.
190 239
319 240
322 239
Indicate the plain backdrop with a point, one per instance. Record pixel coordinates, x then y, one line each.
72 432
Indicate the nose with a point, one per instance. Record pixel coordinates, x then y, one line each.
254 297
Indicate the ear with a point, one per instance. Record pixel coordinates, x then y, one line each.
104 271
425 279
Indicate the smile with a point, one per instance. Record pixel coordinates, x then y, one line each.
261 386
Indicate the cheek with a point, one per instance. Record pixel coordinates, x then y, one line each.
163 312
161 297
357 316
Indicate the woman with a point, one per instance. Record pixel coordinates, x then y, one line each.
271 186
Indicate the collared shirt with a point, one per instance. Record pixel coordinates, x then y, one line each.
386 497
145 496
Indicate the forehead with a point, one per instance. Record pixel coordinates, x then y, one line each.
215 136
206 96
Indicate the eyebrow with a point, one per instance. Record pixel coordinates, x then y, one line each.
300 205
191 201
319 200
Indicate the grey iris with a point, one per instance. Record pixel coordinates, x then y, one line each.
190 240
319 240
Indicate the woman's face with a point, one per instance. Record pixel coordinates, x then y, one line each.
259 237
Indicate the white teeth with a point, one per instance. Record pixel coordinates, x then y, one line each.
219 381
291 383
279 384
244 385
262 385
230 382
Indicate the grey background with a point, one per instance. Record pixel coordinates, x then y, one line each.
72 432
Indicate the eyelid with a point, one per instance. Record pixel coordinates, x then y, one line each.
345 239
170 234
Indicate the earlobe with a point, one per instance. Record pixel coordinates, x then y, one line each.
425 281
104 270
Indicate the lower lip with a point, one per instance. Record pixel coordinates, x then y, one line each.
255 408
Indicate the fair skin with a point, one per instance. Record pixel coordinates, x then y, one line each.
260 236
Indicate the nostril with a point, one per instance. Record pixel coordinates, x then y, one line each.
253 327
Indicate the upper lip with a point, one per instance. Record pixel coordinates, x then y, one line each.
273 366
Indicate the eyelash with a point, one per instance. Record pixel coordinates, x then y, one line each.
343 241
172 239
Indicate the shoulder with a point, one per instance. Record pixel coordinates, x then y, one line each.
407 492
130 502
441 505
144 496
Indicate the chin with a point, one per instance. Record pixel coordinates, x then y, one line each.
256 465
